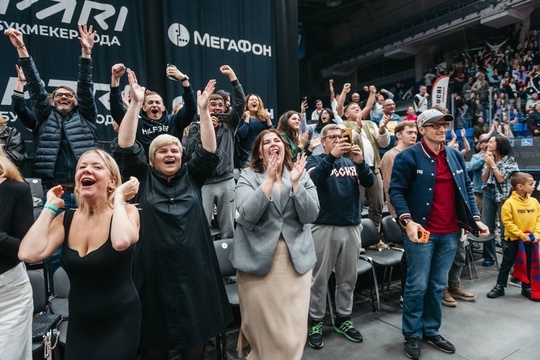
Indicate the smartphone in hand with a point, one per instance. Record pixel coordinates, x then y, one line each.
347 134
423 235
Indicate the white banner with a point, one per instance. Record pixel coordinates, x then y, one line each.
439 92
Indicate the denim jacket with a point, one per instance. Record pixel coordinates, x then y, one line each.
413 184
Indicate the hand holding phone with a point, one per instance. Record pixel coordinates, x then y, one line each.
347 134
222 117
423 235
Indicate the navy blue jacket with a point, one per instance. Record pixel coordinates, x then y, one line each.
413 184
337 182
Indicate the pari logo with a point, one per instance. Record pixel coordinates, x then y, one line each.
178 34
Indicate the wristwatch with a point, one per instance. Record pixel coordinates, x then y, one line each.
405 221
184 78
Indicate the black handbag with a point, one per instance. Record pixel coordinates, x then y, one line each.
43 323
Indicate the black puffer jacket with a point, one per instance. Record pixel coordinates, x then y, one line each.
79 126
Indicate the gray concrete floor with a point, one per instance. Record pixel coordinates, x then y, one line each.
504 328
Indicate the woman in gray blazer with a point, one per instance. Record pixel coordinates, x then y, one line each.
273 250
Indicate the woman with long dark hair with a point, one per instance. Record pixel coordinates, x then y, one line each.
289 128
326 116
498 168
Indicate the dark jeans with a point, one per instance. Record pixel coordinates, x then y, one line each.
510 250
427 274
491 212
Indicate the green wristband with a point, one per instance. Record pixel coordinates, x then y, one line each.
52 208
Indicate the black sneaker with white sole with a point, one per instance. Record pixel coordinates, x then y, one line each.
315 338
440 343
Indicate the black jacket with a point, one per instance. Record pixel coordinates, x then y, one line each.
13 145
79 126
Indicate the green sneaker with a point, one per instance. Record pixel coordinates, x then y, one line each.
346 328
315 339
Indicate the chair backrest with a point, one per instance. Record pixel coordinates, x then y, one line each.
37 280
61 284
35 187
370 235
223 250
391 231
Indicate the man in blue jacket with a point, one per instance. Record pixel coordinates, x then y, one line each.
336 232
430 190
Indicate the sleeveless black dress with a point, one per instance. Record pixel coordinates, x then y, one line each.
104 307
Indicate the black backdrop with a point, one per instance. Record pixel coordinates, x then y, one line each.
257 38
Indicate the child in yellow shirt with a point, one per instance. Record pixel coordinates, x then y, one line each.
520 213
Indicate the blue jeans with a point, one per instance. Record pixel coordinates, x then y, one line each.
427 273
52 263
490 210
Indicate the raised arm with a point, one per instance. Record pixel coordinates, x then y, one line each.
38 95
47 233
342 97
208 135
85 86
238 99
128 128
117 107
125 220
466 145
185 116
19 104
331 89
370 101
454 138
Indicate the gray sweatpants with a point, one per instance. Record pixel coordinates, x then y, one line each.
337 249
221 194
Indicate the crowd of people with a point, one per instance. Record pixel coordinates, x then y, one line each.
132 228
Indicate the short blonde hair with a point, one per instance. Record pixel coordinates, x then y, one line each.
115 173
160 141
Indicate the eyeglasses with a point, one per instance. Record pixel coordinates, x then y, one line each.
58 95
437 126
332 137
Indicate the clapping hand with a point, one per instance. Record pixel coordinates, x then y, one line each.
298 168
